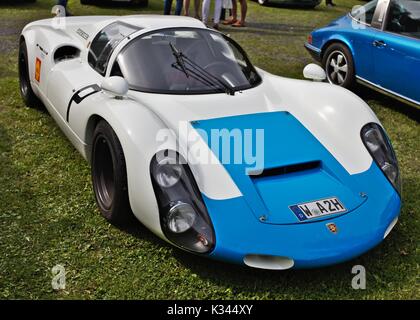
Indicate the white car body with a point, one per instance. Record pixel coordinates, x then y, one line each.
332 114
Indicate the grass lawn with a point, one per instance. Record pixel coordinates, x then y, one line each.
48 215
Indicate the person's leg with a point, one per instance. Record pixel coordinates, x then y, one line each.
223 14
197 9
244 9
178 8
205 11
217 11
167 7
234 11
186 7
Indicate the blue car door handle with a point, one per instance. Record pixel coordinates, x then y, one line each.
379 43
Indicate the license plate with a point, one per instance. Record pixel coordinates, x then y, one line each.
318 208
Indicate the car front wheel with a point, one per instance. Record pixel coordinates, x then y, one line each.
28 95
109 175
339 66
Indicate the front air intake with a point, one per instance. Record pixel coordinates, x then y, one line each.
268 262
293 168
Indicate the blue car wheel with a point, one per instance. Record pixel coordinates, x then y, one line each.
338 64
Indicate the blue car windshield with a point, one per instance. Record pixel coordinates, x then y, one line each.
364 13
186 61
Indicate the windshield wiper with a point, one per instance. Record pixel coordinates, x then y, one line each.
191 73
197 72
179 59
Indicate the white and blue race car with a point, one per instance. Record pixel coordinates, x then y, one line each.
212 154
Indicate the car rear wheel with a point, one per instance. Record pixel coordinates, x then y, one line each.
339 66
109 175
28 95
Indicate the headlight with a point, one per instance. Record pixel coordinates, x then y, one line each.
167 174
380 148
181 217
183 214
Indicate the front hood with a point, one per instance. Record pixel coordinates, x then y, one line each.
175 108
289 167
333 115
313 128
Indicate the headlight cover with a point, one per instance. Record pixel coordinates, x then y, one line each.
377 143
183 215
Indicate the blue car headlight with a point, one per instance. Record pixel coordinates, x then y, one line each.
377 142
183 215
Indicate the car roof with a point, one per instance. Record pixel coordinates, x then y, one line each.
161 21
83 29
152 22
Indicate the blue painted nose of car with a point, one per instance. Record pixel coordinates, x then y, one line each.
263 227
289 170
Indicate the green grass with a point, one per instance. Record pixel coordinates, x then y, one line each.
48 213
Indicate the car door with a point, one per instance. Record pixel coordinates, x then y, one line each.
69 82
362 34
397 50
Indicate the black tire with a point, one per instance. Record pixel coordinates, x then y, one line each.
339 66
28 95
109 176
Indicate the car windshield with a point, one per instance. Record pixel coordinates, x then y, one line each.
364 13
156 62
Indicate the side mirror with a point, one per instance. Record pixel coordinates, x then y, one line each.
314 72
116 86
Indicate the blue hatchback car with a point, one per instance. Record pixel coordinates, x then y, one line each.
377 44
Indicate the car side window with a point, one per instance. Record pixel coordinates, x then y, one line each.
105 42
404 18
116 70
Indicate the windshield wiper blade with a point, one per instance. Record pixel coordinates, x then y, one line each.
197 76
228 88
181 61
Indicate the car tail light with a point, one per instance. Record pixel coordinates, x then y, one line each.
310 39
